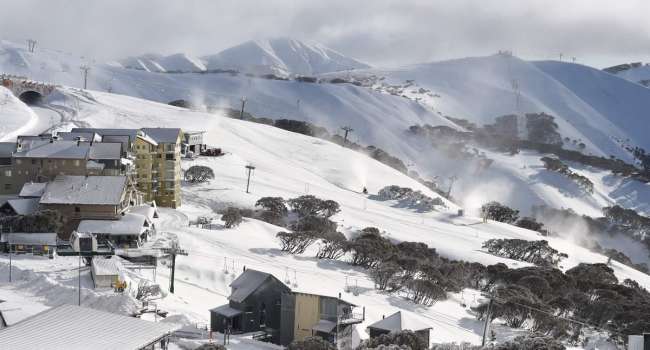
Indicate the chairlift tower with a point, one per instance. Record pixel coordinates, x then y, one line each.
347 130
249 169
173 251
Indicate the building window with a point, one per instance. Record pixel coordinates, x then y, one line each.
19 161
169 156
33 161
77 209
7 173
7 187
77 162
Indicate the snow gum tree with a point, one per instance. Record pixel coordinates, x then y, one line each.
199 174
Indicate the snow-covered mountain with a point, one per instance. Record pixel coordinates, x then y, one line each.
176 63
282 56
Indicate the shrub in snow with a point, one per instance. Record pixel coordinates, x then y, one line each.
147 291
311 343
198 174
369 248
532 342
295 242
409 198
556 165
231 217
405 339
499 212
333 245
543 129
534 252
531 224
316 225
274 209
309 205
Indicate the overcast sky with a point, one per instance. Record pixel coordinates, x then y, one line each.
378 32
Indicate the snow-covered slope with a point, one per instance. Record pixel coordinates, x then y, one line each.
289 165
590 105
17 118
176 63
282 56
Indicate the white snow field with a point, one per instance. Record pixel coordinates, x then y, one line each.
287 165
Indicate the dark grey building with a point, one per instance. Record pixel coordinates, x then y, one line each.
255 303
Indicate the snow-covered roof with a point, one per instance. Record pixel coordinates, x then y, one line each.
103 266
146 210
74 136
33 189
163 135
128 224
226 310
398 322
67 189
23 206
131 133
247 283
46 238
74 327
105 150
6 149
57 149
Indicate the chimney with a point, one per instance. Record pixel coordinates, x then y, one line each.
78 141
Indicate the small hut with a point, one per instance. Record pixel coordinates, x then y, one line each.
398 322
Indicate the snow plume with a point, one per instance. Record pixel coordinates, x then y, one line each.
473 195
577 230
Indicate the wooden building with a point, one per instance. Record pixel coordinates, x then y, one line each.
88 198
328 317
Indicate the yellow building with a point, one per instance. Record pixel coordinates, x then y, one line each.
158 165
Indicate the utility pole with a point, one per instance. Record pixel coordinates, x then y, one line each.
9 262
347 130
84 70
250 169
172 252
487 321
79 279
31 45
243 104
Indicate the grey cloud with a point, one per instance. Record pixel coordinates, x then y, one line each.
376 31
